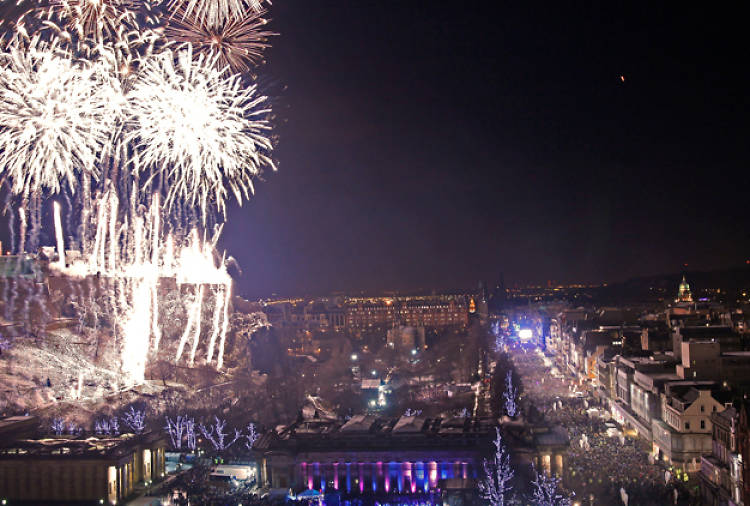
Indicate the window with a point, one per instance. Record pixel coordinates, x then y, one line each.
703 408
687 425
703 424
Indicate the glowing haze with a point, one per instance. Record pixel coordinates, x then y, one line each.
146 140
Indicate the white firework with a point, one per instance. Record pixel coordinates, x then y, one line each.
201 131
214 13
57 116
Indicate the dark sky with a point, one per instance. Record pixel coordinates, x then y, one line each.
433 144
429 144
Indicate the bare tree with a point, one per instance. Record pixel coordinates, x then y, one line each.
546 491
135 419
495 487
252 436
58 426
175 428
510 395
190 441
216 435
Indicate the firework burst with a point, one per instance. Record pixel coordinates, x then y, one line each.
214 13
238 43
129 28
97 94
56 116
100 20
201 131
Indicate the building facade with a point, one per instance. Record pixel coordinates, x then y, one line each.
95 469
406 459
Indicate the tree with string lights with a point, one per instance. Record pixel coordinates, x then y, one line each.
495 486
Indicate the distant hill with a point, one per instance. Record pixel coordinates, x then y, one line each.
724 284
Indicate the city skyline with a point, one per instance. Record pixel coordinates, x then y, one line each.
367 253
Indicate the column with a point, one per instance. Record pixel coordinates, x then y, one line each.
349 477
409 475
387 479
361 466
547 464
303 472
400 469
432 474
419 478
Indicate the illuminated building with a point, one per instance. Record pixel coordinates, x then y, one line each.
683 435
721 476
417 312
363 316
68 469
683 292
404 460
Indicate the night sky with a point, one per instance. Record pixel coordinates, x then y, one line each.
430 145
434 144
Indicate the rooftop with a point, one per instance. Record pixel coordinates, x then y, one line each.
367 432
101 447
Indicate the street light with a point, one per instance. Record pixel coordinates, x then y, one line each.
354 356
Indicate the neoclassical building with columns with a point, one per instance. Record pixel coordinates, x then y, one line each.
370 459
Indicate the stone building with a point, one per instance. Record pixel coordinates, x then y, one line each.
406 459
70 469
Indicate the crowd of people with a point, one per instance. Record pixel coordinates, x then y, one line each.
602 467
194 487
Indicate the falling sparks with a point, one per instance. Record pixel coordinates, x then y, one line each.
138 269
136 333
